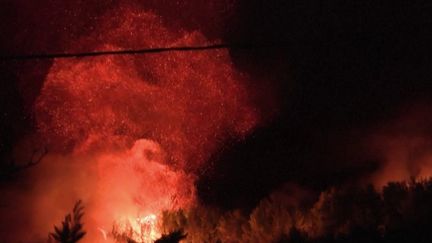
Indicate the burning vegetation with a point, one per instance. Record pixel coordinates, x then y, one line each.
400 213
132 136
141 126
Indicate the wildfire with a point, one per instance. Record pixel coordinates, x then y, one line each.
147 123
139 229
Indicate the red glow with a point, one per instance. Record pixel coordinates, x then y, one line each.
148 121
403 145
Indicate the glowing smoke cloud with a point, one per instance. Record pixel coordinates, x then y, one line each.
148 121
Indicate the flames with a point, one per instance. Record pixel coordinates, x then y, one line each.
141 126
140 229
133 187
130 134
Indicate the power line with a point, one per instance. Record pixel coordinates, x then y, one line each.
135 51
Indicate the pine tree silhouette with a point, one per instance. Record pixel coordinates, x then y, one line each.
71 230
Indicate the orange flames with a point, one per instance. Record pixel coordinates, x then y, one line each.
129 135
133 187
142 124
141 229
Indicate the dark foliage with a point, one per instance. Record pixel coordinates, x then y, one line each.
173 237
402 213
71 230
295 236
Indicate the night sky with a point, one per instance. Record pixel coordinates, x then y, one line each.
346 68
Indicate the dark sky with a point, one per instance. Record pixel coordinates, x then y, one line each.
346 67
340 68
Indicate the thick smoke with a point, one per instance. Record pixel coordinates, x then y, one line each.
186 101
130 135
127 134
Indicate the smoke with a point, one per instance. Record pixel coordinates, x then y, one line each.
131 135
273 217
338 214
402 145
128 134
117 186
185 101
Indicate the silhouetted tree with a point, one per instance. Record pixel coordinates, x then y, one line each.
71 230
294 236
173 237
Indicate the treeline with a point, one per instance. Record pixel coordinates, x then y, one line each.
401 212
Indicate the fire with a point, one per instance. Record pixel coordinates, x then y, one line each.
403 146
140 229
133 187
147 226
140 126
